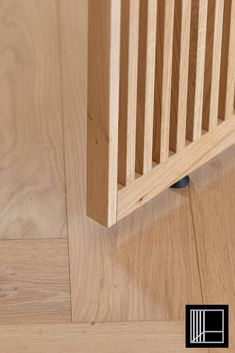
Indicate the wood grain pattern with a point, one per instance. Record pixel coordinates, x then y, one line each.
227 79
213 201
146 71
212 64
103 108
174 108
182 19
148 337
34 282
144 268
196 68
128 91
180 164
32 196
163 72
117 273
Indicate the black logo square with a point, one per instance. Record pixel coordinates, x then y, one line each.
206 326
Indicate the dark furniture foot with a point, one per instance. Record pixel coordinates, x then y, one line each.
182 183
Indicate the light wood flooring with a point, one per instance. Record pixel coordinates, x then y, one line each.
68 284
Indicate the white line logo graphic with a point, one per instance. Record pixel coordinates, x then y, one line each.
198 332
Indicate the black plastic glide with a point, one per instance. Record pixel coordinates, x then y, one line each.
182 183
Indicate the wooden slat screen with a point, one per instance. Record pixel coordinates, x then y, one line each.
161 84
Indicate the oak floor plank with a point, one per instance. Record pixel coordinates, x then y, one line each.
144 267
213 202
34 282
32 194
134 337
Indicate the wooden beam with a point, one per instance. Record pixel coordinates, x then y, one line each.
164 49
227 78
146 70
212 65
182 20
104 25
196 69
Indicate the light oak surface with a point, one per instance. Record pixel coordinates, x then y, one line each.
104 27
145 97
32 194
213 202
34 281
181 30
163 73
226 103
178 165
177 249
135 337
212 64
117 273
128 90
197 52
179 66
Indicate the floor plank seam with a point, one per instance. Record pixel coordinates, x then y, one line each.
58 16
195 241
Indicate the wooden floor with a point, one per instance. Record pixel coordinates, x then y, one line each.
82 286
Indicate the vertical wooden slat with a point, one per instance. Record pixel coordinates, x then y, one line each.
164 48
182 19
145 100
212 64
128 90
227 77
103 106
196 68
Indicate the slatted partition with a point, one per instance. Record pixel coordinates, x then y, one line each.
161 88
